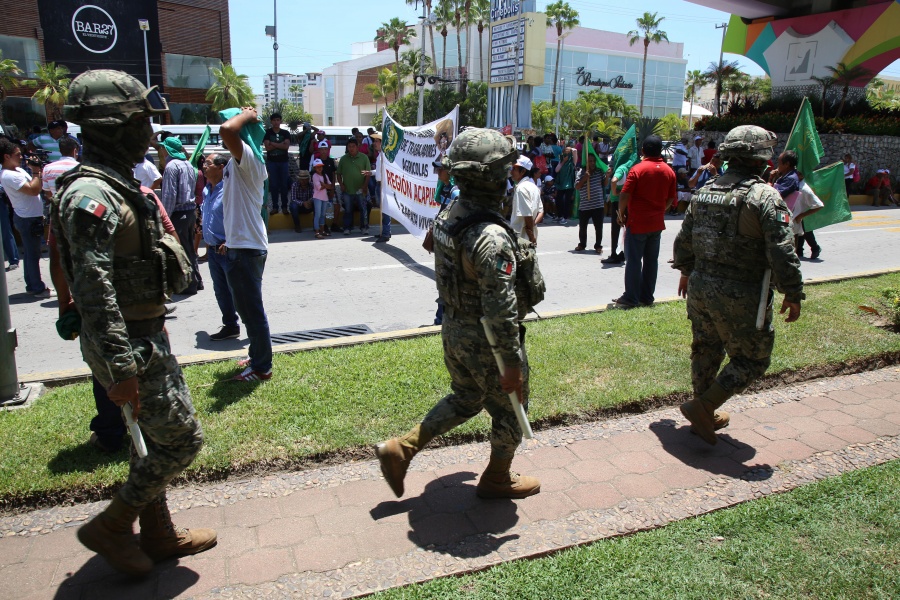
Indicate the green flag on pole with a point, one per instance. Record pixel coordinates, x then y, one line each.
828 184
201 146
627 149
587 149
804 140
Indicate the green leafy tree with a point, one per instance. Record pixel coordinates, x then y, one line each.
648 28
720 72
826 82
458 6
481 12
52 83
671 126
438 102
430 24
292 114
296 91
695 79
410 65
384 86
844 76
563 17
543 116
229 89
443 14
881 97
9 73
395 33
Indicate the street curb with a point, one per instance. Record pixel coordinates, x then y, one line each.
66 377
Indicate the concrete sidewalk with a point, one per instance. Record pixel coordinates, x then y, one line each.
339 532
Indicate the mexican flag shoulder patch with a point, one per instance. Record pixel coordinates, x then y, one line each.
783 217
504 266
92 206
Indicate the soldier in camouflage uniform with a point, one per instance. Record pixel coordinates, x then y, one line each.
120 267
735 228
476 272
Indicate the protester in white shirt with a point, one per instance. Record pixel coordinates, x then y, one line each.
24 193
526 204
147 173
806 204
695 153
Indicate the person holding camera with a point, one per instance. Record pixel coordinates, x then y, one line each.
23 188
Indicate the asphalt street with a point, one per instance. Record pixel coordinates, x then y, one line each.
340 281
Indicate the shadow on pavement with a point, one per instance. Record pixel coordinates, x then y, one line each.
730 457
204 343
448 511
24 298
96 579
85 458
405 259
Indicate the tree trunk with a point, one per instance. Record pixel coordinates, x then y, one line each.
644 75
480 52
459 63
397 70
444 53
431 39
843 99
555 72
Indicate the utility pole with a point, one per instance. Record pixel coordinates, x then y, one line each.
562 86
11 392
420 114
724 28
515 99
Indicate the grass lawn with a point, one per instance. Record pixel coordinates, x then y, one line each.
834 539
331 400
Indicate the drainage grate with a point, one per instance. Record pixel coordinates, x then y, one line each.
320 334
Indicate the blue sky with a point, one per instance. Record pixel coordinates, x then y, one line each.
314 35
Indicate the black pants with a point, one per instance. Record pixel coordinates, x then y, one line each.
108 424
614 226
810 238
184 222
595 214
564 203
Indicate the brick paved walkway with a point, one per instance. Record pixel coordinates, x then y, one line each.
338 531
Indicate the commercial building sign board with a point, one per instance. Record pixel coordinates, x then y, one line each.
528 31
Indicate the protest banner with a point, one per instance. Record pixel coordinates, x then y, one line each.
408 180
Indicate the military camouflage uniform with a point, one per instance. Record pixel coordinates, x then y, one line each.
475 277
97 231
734 229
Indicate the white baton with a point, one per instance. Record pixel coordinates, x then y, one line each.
513 396
137 437
763 300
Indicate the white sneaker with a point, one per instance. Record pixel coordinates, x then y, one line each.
46 293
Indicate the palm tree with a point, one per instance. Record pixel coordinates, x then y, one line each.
395 33
229 89
481 12
844 76
9 71
563 17
695 79
443 13
430 24
457 22
383 86
719 72
648 27
52 83
296 90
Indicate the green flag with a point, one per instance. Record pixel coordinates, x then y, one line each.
587 149
201 146
627 149
828 184
804 140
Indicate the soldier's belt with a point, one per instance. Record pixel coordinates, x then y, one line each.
144 328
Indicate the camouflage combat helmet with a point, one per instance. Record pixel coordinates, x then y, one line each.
482 155
107 97
748 142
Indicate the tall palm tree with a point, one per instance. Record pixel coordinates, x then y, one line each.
411 65
844 76
395 33
443 13
648 27
296 90
563 17
429 22
719 72
458 6
229 89
52 83
384 85
481 12
9 71
694 80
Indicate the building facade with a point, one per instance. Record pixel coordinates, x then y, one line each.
185 41
290 87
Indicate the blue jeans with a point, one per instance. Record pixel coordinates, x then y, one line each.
10 250
217 263
32 232
279 184
319 214
641 257
244 270
348 201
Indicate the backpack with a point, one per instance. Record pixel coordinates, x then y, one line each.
529 285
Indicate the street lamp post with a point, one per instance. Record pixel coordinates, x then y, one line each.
420 113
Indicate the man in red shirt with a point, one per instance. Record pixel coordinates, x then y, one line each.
649 191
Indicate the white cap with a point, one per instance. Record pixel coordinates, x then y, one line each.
524 162
698 137
888 171
324 144
879 171
318 163
548 178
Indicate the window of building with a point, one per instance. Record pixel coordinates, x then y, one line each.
22 50
190 114
24 113
329 100
186 71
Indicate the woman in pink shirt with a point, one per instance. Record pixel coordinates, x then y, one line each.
321 185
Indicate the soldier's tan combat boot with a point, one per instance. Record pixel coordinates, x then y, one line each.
161 539
701 412
721 419
396 454
110 535
498 481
